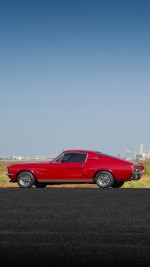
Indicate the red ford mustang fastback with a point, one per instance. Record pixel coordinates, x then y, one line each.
77 166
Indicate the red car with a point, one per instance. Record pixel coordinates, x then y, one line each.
77 166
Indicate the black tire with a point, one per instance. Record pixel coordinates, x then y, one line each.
25 179
117 184
104 179
40 185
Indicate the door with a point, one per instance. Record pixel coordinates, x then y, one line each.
70 168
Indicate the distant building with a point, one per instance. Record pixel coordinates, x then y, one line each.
144 152
141 149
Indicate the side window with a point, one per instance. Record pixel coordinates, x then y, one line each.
74 157
59 158
67 157
79 157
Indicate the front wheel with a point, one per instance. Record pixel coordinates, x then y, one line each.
104 179
25 179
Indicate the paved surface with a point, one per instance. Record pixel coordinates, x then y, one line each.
75 227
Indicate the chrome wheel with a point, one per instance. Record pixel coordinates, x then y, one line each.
25 179
104 179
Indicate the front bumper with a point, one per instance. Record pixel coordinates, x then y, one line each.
10 175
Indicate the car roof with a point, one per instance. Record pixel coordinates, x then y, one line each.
80 151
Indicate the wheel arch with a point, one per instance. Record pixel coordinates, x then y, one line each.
32 172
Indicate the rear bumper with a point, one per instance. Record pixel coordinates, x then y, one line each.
136 175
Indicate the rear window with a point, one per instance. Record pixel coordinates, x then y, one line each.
105 154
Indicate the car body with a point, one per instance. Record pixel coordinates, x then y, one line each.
76 166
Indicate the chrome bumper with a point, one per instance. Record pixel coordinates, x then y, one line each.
9 175
136 175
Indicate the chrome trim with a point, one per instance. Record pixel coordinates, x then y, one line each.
66 180
9 174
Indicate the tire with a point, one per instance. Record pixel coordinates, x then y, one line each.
40 185
117 184
25 179
104 179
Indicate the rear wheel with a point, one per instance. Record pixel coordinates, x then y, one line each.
104 179
117 184
25 179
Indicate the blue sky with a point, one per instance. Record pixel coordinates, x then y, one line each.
74 74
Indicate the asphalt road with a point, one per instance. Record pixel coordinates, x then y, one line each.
74 227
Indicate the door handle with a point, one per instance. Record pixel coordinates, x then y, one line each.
80 164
